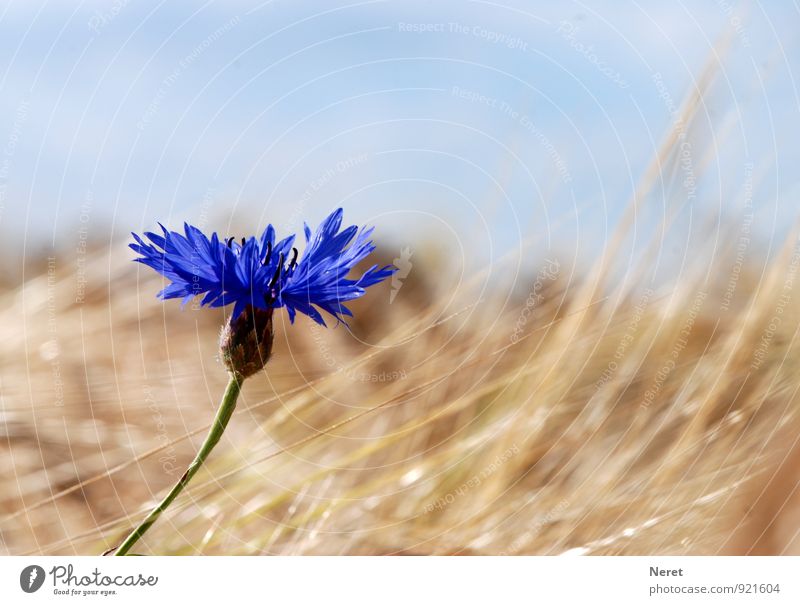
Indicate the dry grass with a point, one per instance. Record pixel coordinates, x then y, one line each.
629 422
604 417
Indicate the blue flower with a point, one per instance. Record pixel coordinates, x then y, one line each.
262 272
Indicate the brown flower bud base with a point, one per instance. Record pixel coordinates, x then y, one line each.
246 342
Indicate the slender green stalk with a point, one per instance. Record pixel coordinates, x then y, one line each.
226 407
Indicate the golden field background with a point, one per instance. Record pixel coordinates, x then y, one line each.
580 416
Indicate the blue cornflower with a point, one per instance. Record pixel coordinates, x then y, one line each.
257 276
262 272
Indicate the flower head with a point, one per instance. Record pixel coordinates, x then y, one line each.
262 272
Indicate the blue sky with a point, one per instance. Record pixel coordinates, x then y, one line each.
475 124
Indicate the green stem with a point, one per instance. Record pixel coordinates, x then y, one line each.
226 407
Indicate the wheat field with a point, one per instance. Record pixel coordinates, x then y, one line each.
582 416
535 406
